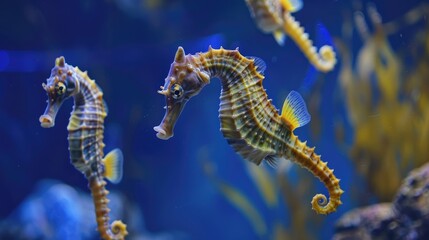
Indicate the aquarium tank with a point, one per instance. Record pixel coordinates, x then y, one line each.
227 119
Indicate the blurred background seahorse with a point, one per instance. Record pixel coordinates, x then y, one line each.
274 16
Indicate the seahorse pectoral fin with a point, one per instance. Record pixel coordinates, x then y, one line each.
113 165
280 37
292 5
294 111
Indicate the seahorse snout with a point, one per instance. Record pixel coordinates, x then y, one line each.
162 134
46 121
165 129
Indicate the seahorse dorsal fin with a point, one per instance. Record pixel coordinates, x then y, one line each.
294 111
259 64
272 161
292 5
113 165
180 55
106 108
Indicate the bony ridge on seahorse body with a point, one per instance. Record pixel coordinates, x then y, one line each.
274 16
86 128
249 121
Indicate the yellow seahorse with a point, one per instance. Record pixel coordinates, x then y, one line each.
86 145
274 16
249 121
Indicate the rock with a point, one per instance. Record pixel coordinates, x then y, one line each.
407 217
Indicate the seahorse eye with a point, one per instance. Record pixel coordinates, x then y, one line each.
177 91
60 88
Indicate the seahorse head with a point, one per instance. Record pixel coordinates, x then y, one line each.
61 85
184 81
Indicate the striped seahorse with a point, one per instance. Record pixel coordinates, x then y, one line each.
274 16
86 128
249 121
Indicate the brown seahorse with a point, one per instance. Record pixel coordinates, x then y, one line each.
274 16
86 128
249 121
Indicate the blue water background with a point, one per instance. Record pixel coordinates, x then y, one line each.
128 51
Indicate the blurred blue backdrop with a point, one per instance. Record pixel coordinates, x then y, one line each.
127 47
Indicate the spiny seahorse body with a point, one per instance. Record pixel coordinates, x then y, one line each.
249 121
86 129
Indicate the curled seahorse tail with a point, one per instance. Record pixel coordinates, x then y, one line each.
117 230
311 161
328 57
324 60
320 203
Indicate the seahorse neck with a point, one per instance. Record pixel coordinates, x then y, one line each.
89 94
229 66
86 122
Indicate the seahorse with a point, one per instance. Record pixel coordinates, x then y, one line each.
274 16
249 121
86 128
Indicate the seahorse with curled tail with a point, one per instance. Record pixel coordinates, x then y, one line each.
274 16
86 128
249 121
